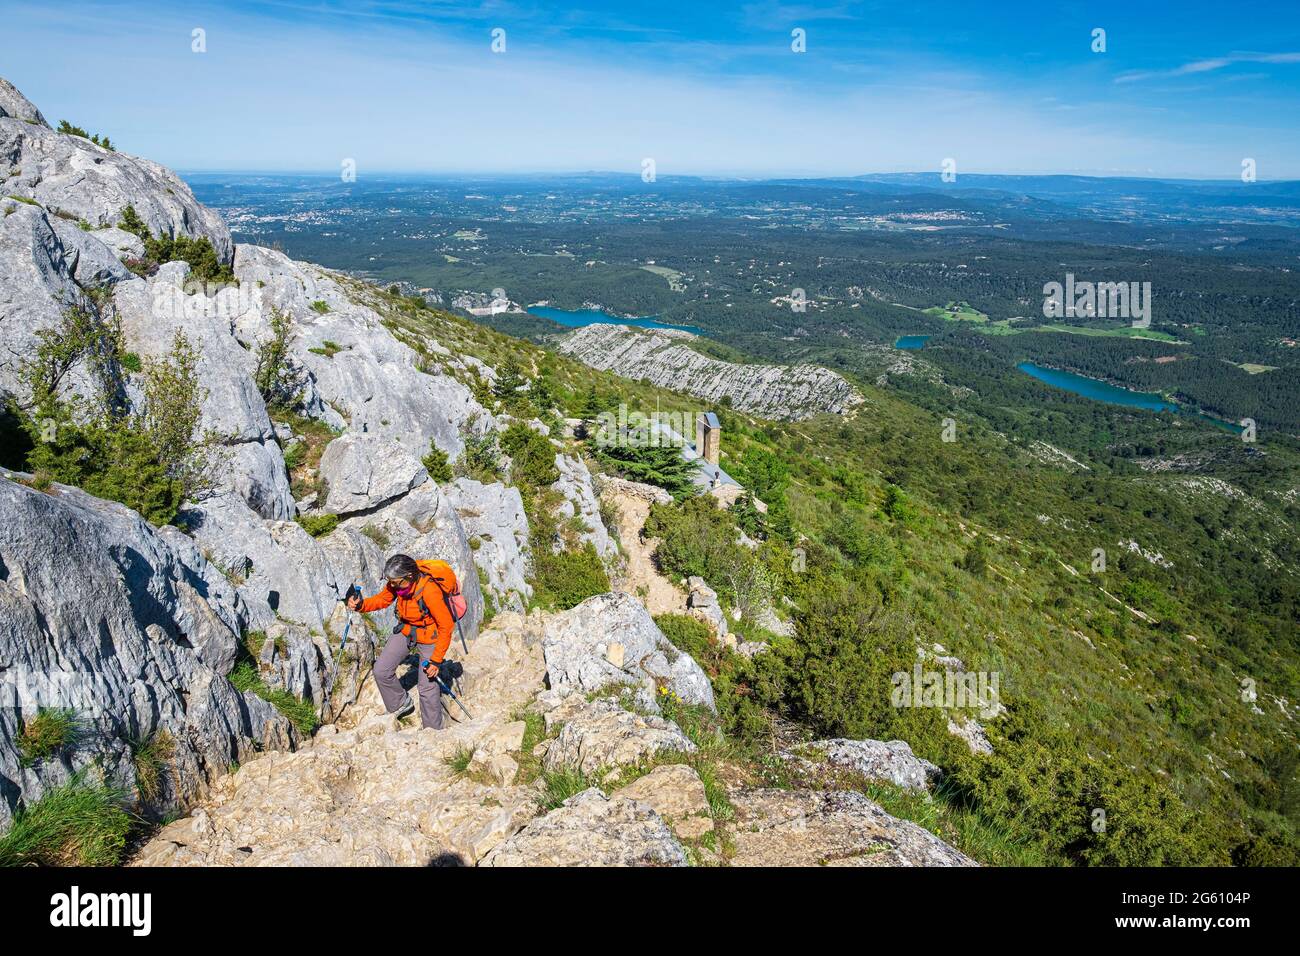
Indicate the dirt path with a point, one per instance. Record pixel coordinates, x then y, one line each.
640 576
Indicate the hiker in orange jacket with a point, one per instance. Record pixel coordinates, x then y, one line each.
423 619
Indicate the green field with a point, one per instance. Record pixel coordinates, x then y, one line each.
1123 332
1254 369
957 312
672 275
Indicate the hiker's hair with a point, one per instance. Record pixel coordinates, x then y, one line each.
401 566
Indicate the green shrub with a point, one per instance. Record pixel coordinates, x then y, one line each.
509 381
151 460
481 459
320 306
295 455
151 758
1041 781
696 537
975 561
567 578
318 525
199 253
277 376
531 454
460 760
689 634
560 785
75 825
634 458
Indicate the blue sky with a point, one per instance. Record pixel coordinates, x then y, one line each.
1183 89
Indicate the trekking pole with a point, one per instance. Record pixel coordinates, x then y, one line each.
347 628
446 688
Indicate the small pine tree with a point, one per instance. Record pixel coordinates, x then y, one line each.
437 464
653 464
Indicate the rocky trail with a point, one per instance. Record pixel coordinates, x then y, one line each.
373 791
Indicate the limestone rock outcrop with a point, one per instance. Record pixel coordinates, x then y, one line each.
829 828
892 761
130 628
663 357
591 829
493 517
611 639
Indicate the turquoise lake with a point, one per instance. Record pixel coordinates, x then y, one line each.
1094 388
574 318
1104 392
911 342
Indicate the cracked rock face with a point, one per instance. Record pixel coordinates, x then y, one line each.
365 471
772 391
372 382
141 644
73 176
605 735
493 517
39 276
580 500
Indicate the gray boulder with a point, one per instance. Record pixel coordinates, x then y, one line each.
703 603
590 829
365 471
604 735
828 828
130 628
611 639
90 261
892 762
580 499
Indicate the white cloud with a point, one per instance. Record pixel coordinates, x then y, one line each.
1208 65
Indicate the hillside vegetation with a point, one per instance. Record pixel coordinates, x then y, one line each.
1156 690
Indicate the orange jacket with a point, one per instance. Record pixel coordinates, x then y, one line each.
433 628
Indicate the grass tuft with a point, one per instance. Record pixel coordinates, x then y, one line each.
74 825
301 713
560 785
151 758
50 731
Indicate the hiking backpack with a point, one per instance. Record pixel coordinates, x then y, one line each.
442 574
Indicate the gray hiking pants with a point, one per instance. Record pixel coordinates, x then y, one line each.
391 690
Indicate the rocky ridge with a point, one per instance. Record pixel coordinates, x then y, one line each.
661 356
